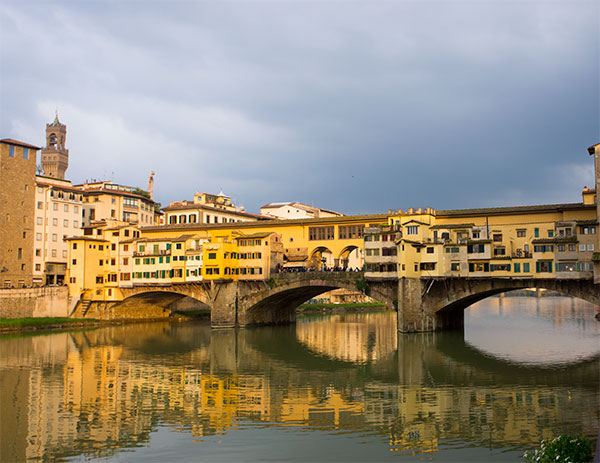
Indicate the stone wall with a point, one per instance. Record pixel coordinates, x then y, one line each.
48 301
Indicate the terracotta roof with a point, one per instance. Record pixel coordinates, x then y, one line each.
255 235
454 226
514 210
276 222
10 141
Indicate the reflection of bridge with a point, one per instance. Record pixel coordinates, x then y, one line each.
423 304
435 387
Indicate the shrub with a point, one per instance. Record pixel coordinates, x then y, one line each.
563 449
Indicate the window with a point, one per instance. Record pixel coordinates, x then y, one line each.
38 267
74 262
54 207
543 248
38 252
38 221
590 246
455 266
561 248
350 231
427 266
497 237
320 233
53 236
39 205
212 255
66 207
412 230
74 245
499 251
536 232
53 253
55 222
572 247
25 153
475 248
526 267
567 267
75 209
517 267
476 234
543 266
430 250
65 223
582 247
64 253
521 233
550 233
11 151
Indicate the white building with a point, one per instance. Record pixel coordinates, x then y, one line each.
295 210
58 209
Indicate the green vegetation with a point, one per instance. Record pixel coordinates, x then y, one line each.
25 322
363 286
200 313
562 449
346 305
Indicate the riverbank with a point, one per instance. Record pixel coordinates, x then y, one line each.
339 308
35 324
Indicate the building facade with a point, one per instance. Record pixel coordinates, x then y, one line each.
206 209
295 210
58 210
105 200
17 214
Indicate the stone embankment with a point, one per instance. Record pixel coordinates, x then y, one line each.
45 301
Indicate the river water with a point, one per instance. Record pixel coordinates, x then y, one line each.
331 388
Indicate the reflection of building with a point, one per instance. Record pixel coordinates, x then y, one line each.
17 202
357 338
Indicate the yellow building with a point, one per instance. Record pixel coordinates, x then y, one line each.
100 261
105 200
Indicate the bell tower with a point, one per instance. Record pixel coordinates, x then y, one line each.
55 157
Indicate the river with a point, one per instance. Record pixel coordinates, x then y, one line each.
343 387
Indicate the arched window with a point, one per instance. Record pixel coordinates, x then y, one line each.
182 219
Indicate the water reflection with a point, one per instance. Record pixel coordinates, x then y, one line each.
94 393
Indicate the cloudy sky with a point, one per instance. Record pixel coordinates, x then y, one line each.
356 106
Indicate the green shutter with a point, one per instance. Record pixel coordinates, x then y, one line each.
537 267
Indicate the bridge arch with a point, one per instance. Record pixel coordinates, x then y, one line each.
316 256
276 303
351 256
438 304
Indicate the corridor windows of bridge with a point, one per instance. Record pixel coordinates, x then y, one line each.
320 233
499 267
350 231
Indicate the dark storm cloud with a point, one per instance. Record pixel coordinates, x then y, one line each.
354 106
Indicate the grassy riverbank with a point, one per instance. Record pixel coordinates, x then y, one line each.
42 322
343 307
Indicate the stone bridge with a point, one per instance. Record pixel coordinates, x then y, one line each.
423 304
